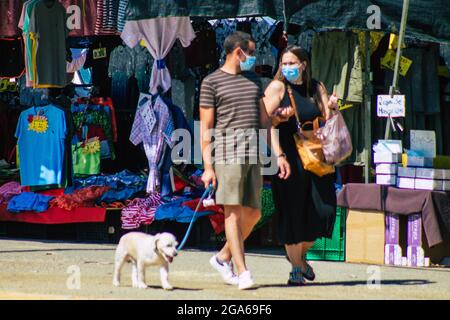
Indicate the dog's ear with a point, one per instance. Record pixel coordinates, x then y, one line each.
157 237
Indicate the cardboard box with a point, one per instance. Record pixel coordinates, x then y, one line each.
420 162
426 184
392 249
393 255
405 172
415 252
365 238
445 174
406 183
433 174
386 168
387 157
392 228
387 179
446 185
418 251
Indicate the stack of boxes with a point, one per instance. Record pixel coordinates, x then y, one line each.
387 156
415 254
423 179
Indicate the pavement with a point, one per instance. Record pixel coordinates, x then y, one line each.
34 270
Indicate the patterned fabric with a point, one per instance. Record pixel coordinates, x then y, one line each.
140 211
123 4
99 118
223 29
8 191
81 198
107 15
153 141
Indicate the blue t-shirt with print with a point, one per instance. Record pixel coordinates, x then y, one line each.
41 132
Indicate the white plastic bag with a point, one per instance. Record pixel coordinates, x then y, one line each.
336 140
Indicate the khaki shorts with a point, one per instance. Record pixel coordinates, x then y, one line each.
239 184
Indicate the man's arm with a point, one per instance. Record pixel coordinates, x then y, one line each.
207 117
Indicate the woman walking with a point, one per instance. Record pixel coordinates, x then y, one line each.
306 203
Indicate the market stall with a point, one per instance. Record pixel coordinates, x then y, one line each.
91 135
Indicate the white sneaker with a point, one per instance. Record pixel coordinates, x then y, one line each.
225 270
245 281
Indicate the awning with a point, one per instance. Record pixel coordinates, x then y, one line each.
427 19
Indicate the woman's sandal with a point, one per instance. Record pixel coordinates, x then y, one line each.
309 273
296 279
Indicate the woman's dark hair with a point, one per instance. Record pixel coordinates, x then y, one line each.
303 56
236 40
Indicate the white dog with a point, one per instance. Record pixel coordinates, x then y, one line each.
144 250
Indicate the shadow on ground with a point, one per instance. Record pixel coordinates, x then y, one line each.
354 283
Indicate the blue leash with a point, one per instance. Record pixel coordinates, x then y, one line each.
208 191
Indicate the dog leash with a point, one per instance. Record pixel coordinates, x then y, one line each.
207 192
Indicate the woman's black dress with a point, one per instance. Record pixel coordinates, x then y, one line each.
305 203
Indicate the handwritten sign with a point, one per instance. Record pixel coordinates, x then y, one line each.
388 61
391 107
424 142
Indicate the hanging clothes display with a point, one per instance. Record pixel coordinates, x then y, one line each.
151 121
107 15
99 64
129 70
159 35
120 70
95 121
45 24
123 5
336 61
41 132
29 43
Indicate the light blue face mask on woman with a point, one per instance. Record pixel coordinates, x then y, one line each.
291 73
248 63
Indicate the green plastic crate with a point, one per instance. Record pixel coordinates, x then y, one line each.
267 206
331 249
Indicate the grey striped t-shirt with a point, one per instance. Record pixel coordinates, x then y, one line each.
236 99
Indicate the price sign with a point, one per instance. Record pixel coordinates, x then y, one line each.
391 107
388 62
99 53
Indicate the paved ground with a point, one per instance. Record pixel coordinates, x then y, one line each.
39 270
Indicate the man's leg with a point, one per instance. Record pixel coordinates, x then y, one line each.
248 220
233 233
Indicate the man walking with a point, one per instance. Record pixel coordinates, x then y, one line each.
230 103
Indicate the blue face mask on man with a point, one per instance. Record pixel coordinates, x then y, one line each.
291 73
248 63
